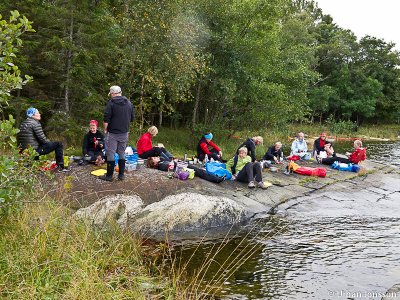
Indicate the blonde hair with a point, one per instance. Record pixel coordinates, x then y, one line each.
258 139
243 149
152 130
358 143
278 144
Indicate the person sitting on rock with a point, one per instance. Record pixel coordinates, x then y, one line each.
244 170
359 154
31 134
207 148
321 144
299 147
251 144
145 147
93 144
274 153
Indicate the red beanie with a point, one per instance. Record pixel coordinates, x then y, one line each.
94 122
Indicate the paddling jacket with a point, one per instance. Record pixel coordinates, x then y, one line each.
358 155
204 147
299 146
144 143
31 134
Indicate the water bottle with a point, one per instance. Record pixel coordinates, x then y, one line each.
185 157
171 166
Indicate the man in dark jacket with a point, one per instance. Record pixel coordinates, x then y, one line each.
251 144
118 115
31 134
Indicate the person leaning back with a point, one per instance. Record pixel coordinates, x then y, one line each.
118 115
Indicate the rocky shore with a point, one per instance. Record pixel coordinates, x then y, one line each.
149 202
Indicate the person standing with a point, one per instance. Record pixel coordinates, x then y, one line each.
31 134
118 115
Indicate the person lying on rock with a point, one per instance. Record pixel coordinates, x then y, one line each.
274 153
244 170
299 147
93 144
359 154
206 148
162 164
145 147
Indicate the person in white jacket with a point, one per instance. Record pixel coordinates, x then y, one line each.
299 147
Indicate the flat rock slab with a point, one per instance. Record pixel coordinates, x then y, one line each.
182 206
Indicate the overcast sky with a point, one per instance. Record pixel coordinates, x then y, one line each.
378 18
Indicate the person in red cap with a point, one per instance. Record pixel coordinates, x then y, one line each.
93 144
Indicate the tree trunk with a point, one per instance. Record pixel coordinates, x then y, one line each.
68 66
141 110
196 105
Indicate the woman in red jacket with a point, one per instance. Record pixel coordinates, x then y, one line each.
145 147
359 154
207 147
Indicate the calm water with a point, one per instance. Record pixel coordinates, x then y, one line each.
328 249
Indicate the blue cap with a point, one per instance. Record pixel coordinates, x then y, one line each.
31 111
208 136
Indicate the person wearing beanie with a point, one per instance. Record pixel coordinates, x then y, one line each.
93 144
207 147
118 115
251 144
145 147
31 135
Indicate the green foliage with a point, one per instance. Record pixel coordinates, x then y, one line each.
10 42
17 171
340 127
47 254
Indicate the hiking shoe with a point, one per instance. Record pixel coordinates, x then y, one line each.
251 185
261 185
106 178
63 170
121 177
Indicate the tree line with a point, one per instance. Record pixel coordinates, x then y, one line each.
230 63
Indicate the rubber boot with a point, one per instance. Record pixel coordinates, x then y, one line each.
110 171
121 166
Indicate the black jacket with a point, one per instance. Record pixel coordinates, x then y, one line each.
89 139
31 133
251 148
119 114
269 155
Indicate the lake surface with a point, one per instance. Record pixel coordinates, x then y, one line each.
316 249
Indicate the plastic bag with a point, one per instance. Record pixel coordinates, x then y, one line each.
218 169
345 167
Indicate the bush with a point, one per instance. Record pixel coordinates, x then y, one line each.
16 170
341 127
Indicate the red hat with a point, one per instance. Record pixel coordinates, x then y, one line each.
323 134
94 122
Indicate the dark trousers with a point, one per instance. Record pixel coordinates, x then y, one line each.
57 147
331 160
94 154
157 151
249 172
214 155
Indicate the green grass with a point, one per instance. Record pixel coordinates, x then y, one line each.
46 254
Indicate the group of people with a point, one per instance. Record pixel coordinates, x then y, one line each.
118 115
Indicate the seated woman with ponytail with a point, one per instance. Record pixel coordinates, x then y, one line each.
145 147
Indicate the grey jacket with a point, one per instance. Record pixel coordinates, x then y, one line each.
31 133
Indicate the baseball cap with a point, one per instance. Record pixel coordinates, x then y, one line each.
115 89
